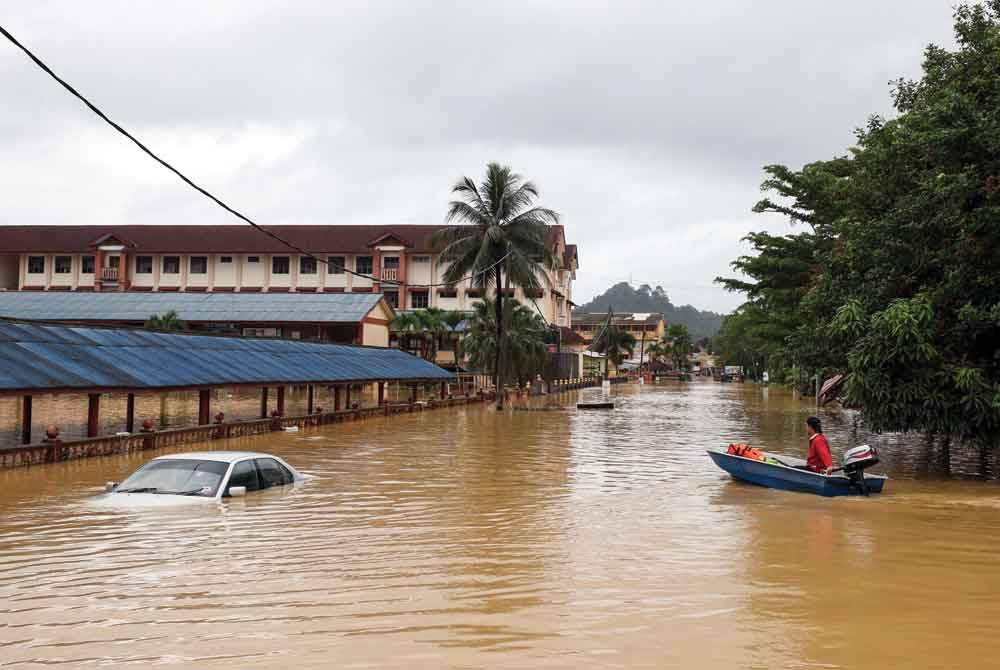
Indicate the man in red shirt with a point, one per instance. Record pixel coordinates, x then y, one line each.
819 449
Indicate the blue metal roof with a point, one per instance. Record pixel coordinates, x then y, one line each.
214 307
36 357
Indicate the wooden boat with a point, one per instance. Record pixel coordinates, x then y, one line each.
595 405
786 476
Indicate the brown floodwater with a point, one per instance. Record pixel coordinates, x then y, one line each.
465 538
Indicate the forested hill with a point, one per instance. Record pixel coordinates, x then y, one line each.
623 298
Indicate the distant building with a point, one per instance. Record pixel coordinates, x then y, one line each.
237 259
344 318
645 327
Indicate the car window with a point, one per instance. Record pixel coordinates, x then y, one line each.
244 474
273 473
176 476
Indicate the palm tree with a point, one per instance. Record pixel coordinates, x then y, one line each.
679 341
656 351
615 342
452 320
406 326
425 326
166 321
524 338
500 231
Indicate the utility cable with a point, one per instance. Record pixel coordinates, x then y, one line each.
62 82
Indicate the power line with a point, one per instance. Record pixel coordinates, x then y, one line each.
62 82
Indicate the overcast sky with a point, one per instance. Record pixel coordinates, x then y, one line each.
645 124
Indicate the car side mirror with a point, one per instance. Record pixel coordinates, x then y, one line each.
237 491
110 486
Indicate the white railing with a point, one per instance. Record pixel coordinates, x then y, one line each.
109 274
389 274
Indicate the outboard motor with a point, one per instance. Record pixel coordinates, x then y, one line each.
854 463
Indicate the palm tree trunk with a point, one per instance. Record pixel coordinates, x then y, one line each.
498 376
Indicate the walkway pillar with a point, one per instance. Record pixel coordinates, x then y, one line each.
281 401
26 420
336 399
444 390
309 399
93 414
413 393
130 413
347 397
203 409
263 402
381 393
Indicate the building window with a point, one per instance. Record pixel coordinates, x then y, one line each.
253 259
261 332
87 265
335 265
63 265
171 265
143 265
307 265
390 262
36 265
279 265
363 265
416 260
419 300
199 265
392 297
225 259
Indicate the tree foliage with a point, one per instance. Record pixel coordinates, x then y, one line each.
501 232
615 343
420 331
166 321
623 298
524 336
677 341
896 282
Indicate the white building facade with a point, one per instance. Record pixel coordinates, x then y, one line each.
398 261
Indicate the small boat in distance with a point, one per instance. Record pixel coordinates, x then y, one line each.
781 472
595 405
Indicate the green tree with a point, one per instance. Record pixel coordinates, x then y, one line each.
678 339
656 352
452 319
524 338
501 233
166 321
896 281
615 343
420 330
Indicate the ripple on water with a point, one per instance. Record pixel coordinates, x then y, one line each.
469 538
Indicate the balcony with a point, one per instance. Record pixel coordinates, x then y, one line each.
109 274
389 274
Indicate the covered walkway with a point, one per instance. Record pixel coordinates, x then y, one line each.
38 358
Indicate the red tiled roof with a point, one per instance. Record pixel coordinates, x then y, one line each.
218 239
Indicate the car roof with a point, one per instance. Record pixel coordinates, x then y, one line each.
220 456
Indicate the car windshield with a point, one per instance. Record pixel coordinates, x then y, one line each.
176 476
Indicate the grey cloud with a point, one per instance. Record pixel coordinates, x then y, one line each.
643 122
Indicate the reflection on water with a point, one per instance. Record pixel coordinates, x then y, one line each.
467 538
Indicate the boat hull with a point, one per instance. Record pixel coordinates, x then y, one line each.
788 478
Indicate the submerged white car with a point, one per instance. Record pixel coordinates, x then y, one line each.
204 475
